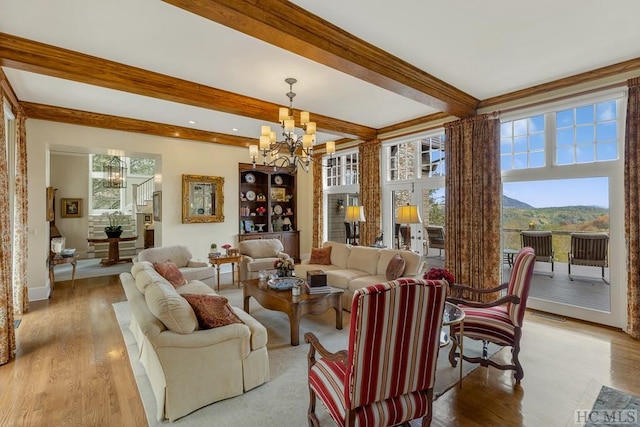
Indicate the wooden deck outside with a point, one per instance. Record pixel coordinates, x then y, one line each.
587 290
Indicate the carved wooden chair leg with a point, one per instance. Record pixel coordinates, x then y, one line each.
519 372
311 413
452 353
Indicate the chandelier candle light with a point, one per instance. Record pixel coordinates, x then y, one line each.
293 150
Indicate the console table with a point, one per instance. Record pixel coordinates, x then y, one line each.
53 261
114 249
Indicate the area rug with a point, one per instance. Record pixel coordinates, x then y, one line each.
87 268
613 408
283 400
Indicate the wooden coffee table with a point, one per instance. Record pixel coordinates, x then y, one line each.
294 306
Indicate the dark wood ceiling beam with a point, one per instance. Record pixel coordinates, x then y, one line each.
104 121
586 77
290 27
27 55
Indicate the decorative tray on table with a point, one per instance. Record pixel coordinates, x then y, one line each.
284 283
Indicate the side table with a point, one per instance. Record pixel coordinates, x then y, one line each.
114 249
453 315
228 259
53 261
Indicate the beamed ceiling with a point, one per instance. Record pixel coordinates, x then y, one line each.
214 71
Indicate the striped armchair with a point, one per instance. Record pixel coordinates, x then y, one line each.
500 321
386 375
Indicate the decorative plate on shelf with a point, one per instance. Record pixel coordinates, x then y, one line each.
284 283
277 209
250 178
251 196
278 180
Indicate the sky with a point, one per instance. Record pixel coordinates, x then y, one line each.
560 192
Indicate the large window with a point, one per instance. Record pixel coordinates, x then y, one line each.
584 134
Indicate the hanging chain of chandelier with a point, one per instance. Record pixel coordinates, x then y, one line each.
293 150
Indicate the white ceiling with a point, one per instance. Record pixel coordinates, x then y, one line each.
483 48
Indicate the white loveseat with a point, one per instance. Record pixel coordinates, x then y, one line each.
354 267
190 368
181 257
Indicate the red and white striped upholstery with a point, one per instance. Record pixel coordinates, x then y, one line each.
390 367
501 324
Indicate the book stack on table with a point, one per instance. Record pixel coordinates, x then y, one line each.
317 282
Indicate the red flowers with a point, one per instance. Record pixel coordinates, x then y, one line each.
226 246
439 274
261 210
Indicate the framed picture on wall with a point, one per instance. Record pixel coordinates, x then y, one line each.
157 205
147 218
71 208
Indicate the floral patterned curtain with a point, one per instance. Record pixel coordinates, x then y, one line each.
7 330
316 238
20 289
370 191
632 206
473 201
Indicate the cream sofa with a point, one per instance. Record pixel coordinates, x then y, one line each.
181 257
259 254
190 368
354 267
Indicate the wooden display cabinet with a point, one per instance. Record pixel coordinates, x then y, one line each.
268 206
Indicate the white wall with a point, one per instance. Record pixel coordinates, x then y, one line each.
69 177
176 157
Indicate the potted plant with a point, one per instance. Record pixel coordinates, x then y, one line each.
214 251
114 229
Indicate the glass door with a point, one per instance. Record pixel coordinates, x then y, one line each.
429 202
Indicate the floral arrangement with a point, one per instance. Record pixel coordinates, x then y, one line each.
284 267
226 246
115 221
261 210
439 274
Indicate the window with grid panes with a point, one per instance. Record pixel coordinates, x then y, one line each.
351 169
522 143
402 160
432 156
587 134
333 171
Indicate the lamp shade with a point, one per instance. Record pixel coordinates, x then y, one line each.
408 214
354 214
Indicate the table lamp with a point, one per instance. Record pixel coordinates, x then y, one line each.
286 224
408 215
354 214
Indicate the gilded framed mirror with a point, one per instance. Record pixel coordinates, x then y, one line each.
202 199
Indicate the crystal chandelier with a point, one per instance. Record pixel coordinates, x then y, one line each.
293 150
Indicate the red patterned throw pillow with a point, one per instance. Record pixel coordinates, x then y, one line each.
171 272
395 268
212 311
320 256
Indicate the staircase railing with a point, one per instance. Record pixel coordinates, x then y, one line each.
143 192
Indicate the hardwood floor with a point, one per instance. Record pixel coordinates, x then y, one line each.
72 369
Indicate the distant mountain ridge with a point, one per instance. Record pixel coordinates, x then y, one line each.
508 202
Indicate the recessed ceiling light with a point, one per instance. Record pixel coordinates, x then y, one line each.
191 122
235 129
